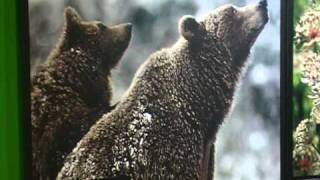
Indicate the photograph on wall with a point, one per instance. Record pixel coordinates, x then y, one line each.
171 89
306 89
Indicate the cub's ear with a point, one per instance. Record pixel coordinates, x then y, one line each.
72 19
189 28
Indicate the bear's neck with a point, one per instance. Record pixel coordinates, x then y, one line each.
79 69
210 79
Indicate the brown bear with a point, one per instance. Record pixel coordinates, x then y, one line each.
166 124
72 89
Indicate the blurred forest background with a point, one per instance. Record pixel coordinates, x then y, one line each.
248 146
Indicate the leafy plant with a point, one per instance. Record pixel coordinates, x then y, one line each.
306 153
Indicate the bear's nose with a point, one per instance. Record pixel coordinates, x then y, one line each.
263 3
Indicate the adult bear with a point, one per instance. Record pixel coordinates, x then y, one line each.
166 124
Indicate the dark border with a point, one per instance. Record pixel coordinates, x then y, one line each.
24 84
286 89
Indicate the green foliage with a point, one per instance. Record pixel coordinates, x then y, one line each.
302 105
299 8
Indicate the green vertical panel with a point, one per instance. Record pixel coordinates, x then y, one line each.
10 117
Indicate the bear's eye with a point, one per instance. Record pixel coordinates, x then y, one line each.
102 26
233 10
253 30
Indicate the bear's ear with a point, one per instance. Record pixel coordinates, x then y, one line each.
189 28
72 19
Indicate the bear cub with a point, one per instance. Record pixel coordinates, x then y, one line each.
165 126
71 90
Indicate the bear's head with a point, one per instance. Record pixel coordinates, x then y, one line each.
104 42
236 27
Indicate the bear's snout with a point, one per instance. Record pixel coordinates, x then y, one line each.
263 8
263 4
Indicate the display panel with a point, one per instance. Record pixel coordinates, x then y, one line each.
202 103
306 91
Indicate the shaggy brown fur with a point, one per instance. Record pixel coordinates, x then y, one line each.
72 89
164 128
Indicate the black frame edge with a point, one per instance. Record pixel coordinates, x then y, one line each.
286 89
24 85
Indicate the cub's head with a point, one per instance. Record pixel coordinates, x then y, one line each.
105 42
236 27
